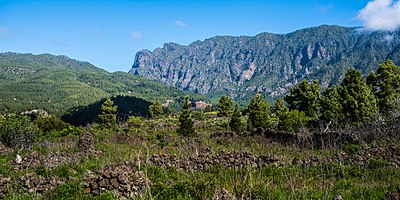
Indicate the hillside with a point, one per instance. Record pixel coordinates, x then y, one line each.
272 63
58 83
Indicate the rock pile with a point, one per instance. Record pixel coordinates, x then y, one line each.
223 134
55 160
37 184
5 150
390 154
223 194
204 161
393 195
31 160
5 184
86 144
122 179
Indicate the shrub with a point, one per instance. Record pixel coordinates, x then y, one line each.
199 115
134 122
18 131
70 130
50 123
293 121
156 110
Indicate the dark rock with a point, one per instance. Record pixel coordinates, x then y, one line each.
39 185
5 150
5 184
122 179
337 197
223 194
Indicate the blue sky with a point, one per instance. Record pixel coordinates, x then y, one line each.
109 33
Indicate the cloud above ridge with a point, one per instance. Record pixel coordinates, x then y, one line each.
381 15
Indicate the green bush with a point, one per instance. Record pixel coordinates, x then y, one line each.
292 121
134 122
18 131
50 123
70 130
198 115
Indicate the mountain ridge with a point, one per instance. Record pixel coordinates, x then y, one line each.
59 83
240 66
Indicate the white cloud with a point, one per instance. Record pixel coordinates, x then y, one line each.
180 23
136 35
381 15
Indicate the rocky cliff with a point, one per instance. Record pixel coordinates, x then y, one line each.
271 63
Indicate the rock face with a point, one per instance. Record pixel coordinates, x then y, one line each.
271 63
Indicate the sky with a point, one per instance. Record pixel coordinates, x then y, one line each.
108 33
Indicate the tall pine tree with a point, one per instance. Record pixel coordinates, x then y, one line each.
305 97
224 106
385 85
259 112
108 113
331 106
185 119
358 101
236 120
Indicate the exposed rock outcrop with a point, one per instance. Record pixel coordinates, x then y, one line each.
272 63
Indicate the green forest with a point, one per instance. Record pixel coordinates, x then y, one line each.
59 84
340 142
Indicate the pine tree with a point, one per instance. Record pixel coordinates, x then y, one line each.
108 113
280 108
185 119
224 106
385 85
259 112
305 97
357 98
156 110
331 106
236 120
289 120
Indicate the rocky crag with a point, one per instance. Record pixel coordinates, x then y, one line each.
271 63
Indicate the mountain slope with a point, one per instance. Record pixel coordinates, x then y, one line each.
58 83
272 63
